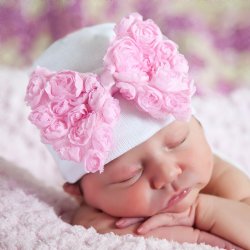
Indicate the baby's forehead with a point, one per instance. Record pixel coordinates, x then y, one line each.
172 129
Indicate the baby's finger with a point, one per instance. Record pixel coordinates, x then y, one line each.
125 222
156 221
164 219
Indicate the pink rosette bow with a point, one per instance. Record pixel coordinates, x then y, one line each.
148 69
71 110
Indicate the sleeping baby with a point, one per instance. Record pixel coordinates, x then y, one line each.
115 112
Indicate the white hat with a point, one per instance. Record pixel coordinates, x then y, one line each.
83 51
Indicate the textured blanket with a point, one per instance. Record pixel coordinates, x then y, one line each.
34 211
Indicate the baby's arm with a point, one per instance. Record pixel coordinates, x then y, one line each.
228 181
103 223
226 218
230 214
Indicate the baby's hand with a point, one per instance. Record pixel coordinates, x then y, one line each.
185 218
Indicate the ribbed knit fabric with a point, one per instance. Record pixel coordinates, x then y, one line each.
133 128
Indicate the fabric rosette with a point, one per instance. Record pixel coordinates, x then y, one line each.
147 68
75 115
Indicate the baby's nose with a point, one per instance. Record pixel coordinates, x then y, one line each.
165 173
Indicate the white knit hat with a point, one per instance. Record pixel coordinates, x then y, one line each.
83 51
133 128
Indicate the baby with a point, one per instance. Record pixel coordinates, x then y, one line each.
126 139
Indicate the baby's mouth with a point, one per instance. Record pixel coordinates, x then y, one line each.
177 198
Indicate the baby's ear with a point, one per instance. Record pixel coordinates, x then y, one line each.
73 189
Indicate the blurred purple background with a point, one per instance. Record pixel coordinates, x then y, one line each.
213 35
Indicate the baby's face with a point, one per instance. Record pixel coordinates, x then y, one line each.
163 174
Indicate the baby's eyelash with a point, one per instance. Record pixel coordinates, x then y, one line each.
185 138
136 175
126 179
177 143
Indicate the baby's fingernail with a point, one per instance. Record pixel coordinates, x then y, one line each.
141 230
120 222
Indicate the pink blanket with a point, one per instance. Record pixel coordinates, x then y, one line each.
34 211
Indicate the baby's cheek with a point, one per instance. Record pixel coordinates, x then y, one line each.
91 194
143 201
136 202
89 197
208 163
202 156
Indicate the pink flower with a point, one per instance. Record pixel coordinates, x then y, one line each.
41 117
167 80
59 107
77 113
93 161
164 50
127 90
107 80
151 101
111 111
123 27
80 133
97 98
146 67
146 34
82 98
133 76
179 63
69 108
148 62
102 138
55 131
65 84
123 56
178 104
90 82
35 89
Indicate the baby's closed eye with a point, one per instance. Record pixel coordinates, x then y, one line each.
175 142
129 178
